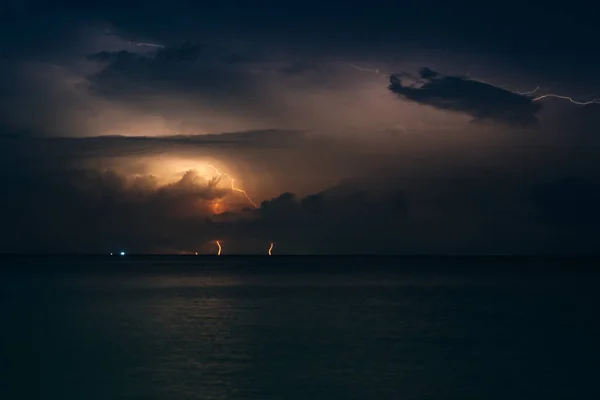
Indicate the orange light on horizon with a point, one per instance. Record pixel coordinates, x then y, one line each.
219 250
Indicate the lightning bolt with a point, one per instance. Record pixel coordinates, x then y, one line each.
219 248
558 96
271 248
373 71
545 96
160 46
233 187
549 95
528 93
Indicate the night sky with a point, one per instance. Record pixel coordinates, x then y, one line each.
379 128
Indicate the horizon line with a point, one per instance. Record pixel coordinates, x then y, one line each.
361 255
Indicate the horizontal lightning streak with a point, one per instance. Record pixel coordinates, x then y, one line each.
557 96
147 44
374 71
527 93
545 96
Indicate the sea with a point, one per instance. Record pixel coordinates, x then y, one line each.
207 327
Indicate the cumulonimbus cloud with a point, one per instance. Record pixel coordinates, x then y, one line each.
50 206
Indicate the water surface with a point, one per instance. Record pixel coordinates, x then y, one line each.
305 328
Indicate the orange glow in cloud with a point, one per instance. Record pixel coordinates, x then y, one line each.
219 248
217 207
170 169
271 248
233 187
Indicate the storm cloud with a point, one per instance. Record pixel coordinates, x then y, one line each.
106 144
76 205
480 100
187 68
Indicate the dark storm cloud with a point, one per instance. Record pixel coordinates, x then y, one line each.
219 88
342 219
107 146
107 211
24 155
186 69
480 100
74 72
450 216
211 71
53 206
255 68
88 210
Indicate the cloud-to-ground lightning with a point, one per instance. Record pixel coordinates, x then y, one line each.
271 248
233 187
529 93
219 248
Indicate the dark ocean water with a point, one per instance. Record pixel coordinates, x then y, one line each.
298 328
